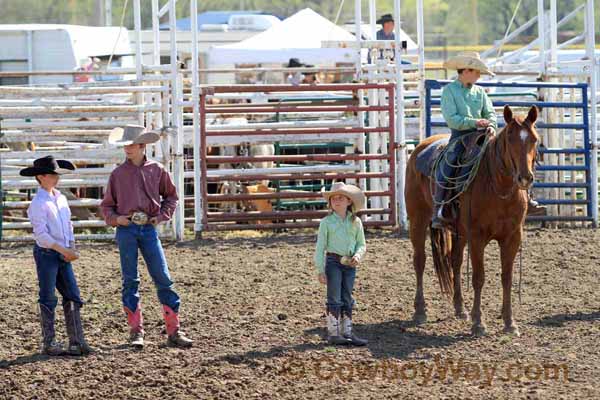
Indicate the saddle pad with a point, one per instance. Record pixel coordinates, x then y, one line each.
427 157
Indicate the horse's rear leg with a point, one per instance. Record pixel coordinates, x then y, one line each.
418 233
458 247
508 252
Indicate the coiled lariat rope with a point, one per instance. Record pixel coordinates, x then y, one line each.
457 185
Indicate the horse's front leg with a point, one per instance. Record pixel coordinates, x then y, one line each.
478 327
418 232
508 251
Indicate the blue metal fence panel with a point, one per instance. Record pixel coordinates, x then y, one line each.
585 152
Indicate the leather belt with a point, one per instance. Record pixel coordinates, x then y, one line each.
344 260
335 256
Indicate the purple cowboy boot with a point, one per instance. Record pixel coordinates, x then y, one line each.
77 344
49 345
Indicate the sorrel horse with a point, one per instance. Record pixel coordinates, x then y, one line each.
492 208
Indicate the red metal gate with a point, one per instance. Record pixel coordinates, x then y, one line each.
220 221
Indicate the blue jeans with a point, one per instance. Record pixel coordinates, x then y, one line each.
145 238
448 168
340 282
54 273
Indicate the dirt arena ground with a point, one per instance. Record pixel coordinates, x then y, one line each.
255 309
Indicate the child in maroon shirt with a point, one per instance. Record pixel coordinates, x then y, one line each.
139 195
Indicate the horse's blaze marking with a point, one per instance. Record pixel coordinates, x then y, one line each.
524 135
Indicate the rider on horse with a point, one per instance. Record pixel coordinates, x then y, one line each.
466 109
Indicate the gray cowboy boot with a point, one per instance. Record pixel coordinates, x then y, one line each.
438 220
348 333
49 345
136 339
440 196
77 344
334 331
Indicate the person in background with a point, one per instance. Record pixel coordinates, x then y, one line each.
296 78
387 33
387 28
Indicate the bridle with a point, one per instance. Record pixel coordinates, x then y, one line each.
504 169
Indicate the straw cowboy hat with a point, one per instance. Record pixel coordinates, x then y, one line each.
132 134
48 165
355 195
468 60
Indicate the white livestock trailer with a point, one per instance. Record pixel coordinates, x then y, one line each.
48 47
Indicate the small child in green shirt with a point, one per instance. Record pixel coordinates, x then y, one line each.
340 248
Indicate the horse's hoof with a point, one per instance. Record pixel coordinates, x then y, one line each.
419 319
512 330
478 330
462 315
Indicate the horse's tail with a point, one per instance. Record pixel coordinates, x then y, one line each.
441 248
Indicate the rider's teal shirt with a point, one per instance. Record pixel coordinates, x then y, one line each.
462 106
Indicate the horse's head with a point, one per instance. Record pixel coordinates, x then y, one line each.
519 141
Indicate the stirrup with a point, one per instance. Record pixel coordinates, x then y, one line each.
439 221
536 210
436 223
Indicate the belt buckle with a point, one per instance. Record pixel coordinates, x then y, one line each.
346 260
139 218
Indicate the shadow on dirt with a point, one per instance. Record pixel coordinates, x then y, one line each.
559 320
30 359
390 339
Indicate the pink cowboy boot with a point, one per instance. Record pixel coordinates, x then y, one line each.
176 337
136 331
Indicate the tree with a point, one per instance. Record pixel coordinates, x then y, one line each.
446 21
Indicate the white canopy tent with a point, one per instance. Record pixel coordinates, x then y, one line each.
298 36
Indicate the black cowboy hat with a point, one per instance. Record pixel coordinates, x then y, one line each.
295 63
48 165
385 18
309 73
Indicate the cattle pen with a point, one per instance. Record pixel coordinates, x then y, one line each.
219 141
249 159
